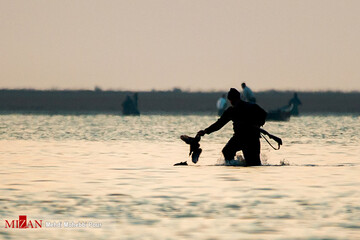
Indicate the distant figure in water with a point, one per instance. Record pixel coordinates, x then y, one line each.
130 106
295 101
248 94
247 119
221 104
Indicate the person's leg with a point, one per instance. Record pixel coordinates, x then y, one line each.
251 153
231 148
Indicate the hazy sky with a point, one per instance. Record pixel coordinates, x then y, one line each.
191 44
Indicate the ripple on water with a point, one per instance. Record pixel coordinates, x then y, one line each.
9 189
263 189
233 206
119 195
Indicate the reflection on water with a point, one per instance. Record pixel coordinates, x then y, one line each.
118 171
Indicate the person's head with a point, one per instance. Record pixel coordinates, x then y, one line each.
233 96
243 85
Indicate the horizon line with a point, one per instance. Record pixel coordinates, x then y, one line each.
175 90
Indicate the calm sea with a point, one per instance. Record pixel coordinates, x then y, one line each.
112 177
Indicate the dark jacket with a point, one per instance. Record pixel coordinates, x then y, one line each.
246 117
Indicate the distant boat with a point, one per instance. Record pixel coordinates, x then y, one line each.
280 114
130 106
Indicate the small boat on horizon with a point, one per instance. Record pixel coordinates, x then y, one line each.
280 114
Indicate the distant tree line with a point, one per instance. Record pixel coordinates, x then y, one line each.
172 101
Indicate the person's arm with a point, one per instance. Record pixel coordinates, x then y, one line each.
222 121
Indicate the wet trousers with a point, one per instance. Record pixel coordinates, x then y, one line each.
249 147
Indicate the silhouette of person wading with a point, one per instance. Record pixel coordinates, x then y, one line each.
248 94
221 104
246 118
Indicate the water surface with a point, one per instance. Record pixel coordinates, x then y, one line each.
118 171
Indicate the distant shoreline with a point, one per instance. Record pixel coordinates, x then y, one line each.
177 101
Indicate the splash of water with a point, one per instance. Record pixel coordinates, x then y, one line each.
237 161
284 163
